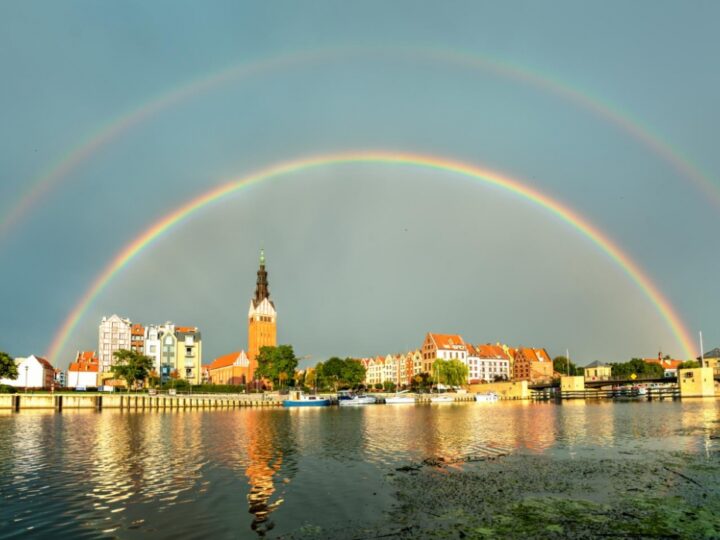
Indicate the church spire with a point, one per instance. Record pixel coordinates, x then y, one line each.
262 290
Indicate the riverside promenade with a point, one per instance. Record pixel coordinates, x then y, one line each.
130 401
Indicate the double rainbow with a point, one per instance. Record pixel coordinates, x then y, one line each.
120 125
565 214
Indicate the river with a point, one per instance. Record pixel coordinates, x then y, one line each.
248 473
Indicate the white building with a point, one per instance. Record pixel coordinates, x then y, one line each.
487 363
113 335
83 372
152 343
33 372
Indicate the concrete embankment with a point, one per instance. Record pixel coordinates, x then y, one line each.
59 402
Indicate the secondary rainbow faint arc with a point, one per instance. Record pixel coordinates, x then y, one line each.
632 269
114 129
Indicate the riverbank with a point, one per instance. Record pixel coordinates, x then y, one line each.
653 495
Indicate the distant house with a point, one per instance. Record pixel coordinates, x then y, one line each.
532 365
669 366
83 372
33 372
712 359
59 378
597 372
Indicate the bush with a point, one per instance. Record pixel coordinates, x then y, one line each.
7 389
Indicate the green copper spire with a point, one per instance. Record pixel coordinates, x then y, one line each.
262 257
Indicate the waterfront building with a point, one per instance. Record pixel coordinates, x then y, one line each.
113 334
262 317
533 365
597 371
33 372
152 347
189 353
205 374
233 368
83 372
443 346
137 338
416 358
487 363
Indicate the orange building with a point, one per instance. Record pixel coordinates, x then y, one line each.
137 338
262 317
532 365
234 368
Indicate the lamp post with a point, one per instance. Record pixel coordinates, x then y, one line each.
26 377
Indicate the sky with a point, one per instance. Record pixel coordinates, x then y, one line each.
117 114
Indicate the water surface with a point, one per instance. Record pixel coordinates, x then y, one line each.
266 472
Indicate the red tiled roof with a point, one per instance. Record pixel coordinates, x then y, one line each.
225 360
137 330
186 329
44 362
447 341
488 351
666 364
83 367
86 357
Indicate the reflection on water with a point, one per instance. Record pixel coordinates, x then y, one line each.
227 473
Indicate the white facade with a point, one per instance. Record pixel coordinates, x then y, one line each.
152 344
82 379
113 335
486 363
33 372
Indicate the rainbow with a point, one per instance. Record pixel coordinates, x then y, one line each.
153 233
114 129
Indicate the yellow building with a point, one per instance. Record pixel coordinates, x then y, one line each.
181 352
262 317
597 372
696 382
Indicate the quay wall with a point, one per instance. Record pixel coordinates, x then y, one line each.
505 390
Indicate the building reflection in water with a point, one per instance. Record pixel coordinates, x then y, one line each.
270 451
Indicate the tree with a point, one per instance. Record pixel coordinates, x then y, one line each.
450 372
8 368
421 381
560 365
353 372
389 386
131 366
637 366
272 361
689 364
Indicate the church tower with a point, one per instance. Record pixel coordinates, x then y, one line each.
262 317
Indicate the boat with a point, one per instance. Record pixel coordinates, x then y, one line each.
299 399
442 398
398 399
357 400
487 397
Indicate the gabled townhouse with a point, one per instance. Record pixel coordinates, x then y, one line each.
533 365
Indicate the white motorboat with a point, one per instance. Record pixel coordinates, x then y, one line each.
398 399
487 397
357 400
442 399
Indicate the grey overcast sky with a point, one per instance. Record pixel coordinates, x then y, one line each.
363 259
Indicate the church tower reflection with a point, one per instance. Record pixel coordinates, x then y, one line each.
270 464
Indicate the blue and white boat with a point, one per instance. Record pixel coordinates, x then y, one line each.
298 399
